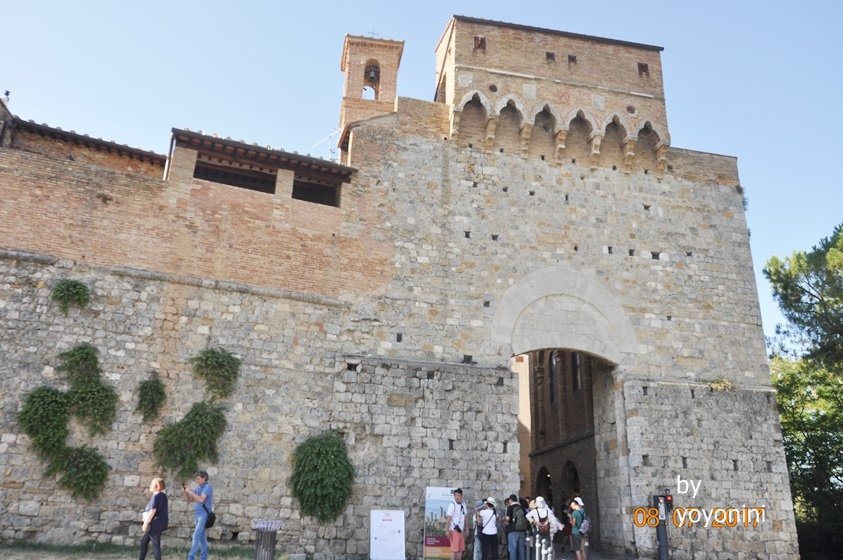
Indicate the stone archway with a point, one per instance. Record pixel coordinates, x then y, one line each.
571 336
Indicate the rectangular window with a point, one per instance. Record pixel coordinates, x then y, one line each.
479 43
243 178
316 193
550 57
644 69
572 60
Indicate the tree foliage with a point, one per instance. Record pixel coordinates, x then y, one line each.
811 407
809 289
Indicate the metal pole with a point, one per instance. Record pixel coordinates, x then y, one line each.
661 528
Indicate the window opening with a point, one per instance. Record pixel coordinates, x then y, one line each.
236 177
479 43
309 191
644 69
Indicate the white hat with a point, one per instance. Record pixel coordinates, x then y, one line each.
579 501
540 502
491 501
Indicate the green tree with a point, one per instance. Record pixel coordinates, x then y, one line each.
809 290
811 407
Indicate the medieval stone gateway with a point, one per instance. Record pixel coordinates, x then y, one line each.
517 285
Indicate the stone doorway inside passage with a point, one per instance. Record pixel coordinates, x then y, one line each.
561 404
570 339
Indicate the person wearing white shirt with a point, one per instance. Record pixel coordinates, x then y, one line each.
455 524
487 526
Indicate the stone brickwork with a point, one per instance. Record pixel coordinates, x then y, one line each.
395 316
407 424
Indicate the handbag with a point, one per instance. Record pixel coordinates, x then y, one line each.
211 519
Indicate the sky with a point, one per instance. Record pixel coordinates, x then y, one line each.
759 80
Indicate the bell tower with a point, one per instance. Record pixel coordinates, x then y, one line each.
371 74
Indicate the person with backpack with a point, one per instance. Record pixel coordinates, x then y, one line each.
580 529
545 525
516 529
487 523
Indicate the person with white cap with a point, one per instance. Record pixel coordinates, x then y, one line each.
487 527
577 538
545 523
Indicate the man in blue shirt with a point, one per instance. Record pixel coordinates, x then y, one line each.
203 498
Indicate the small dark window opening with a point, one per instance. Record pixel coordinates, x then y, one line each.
655 255
243 178
316 193
644 69
550 57
479 43
572 60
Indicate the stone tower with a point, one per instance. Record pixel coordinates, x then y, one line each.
371 75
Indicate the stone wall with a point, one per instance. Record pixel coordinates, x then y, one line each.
407 424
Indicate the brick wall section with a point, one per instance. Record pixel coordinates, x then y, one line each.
192 227
28 141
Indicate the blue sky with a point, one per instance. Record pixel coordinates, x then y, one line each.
760 80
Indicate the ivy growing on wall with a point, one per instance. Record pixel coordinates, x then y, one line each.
219 369
151 396
82 470
323 476
68 292
45 414
182 445
91 401
44 419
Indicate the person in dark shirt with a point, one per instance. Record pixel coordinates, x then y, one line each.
155 519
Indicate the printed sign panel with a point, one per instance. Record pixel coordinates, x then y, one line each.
436 543
386 535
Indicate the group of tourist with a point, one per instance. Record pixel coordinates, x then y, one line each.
527 524
156 516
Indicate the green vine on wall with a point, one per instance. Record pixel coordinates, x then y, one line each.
91 401
68 292
219 369
323 476
151 397
44 419
82 470
45 414
182 445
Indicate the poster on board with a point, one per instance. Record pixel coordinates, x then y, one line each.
386 535
436 543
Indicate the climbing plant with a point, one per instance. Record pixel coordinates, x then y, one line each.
45 414
91 401
68 292
323 476
80 363
219 369
180 446
151 396
82 470
44 419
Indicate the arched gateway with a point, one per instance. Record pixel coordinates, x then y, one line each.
569 334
